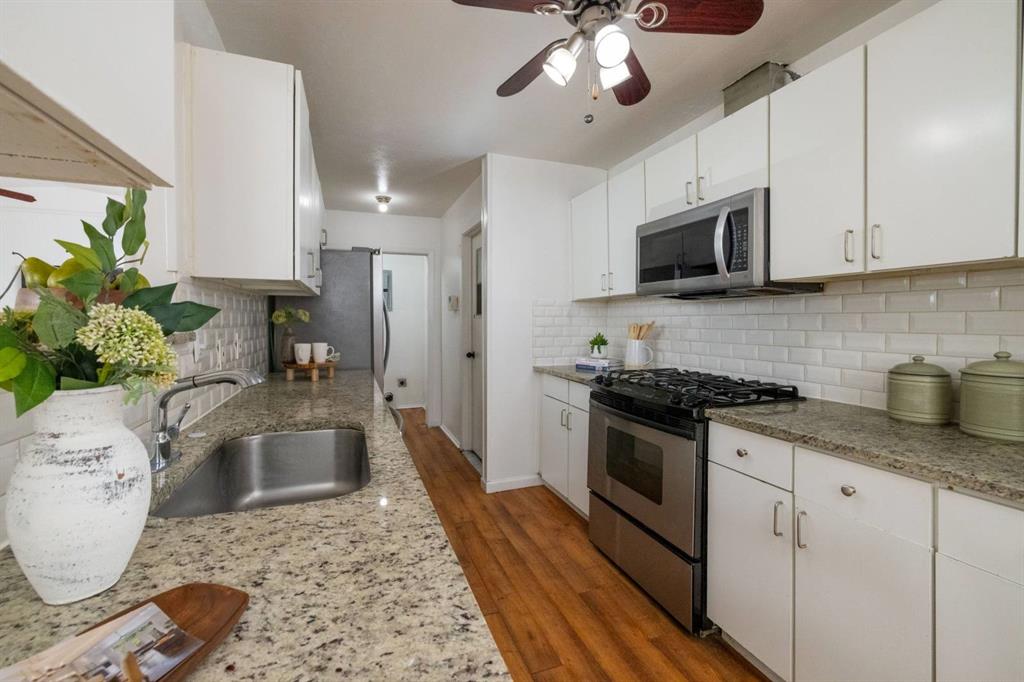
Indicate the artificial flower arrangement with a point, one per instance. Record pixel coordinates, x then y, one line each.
286 316
94 320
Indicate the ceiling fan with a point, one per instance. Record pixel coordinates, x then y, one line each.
596 22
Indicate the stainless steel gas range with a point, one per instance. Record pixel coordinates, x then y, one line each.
647 474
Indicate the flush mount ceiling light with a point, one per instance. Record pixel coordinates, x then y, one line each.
382 202
596 22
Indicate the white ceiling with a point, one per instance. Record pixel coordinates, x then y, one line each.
402 99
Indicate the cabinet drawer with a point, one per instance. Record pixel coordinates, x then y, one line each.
579 396
554 387
895 504
764 458
983 534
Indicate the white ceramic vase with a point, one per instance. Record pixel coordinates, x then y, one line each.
599 352
79 495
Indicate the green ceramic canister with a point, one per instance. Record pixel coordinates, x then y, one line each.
919 392
992 398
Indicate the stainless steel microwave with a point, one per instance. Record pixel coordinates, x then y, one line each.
717 250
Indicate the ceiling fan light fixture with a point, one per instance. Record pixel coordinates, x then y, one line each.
615 75
382 202
611 46
560 64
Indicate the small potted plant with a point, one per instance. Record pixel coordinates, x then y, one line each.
286 317
599 346
86 338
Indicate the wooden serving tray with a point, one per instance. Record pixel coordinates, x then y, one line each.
312 369
203 610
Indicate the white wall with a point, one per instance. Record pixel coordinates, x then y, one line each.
526 241
408 358
401 234
461 217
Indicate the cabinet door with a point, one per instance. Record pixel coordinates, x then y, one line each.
578 439
863 601
979 624
554 444
750 524
941 103
732 154
243 164
626 210
670 179
590 243
306 237
817 172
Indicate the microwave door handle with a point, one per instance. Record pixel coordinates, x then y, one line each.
723 268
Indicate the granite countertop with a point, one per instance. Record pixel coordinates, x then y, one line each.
346 587
943 455
566 372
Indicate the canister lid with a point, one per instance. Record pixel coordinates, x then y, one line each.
1002 366
919 368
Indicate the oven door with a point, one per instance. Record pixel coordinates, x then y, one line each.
650 474
713 247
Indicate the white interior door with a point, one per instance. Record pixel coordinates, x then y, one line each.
476 352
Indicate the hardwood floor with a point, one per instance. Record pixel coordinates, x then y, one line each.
558 609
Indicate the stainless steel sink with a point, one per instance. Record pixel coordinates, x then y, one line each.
273 469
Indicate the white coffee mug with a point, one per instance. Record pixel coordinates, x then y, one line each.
321 351
635 352
302 353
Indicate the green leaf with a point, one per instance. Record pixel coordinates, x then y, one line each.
129 280
83 254
8 339
102 245
34 385
12 361
135 230
150 296
85 284
116 215
73 384
182 317
56 322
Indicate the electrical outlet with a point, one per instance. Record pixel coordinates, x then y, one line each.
402 383
219 353
197 351
238 346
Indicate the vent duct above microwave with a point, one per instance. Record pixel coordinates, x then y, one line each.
762 81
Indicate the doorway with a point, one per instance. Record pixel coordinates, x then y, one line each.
473 328
404 287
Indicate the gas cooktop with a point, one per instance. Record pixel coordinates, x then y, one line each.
684 392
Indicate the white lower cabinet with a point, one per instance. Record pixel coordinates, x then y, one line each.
863 601
563 444
750 561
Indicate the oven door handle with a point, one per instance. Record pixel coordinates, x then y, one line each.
723 268
626 416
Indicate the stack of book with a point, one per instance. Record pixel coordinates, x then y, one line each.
598 364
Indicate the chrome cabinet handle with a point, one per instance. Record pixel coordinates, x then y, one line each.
312 265
604 282
568 421
775 519
689 186
876 241
848 246
847 490
741 452
562 420
799 530
323 237
700 188
611 281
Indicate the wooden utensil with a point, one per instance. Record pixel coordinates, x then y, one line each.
206 611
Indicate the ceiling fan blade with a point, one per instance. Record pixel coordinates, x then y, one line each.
511 5
635 88
715 17
526 73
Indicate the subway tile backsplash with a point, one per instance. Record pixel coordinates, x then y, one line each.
837 345
242 316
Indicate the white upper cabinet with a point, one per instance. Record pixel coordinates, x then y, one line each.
626 210
590 243
941 122
817 172
253 187
671 178
87 91
732 154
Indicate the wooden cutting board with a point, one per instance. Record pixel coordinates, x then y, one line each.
203 610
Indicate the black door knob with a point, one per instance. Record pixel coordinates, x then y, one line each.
470 355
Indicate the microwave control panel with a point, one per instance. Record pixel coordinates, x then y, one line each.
740 242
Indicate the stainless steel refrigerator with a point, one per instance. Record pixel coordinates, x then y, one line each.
350 313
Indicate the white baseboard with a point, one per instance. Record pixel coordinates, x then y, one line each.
511 484
451 436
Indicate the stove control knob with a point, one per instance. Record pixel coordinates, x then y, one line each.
599 380
608 381
677 398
